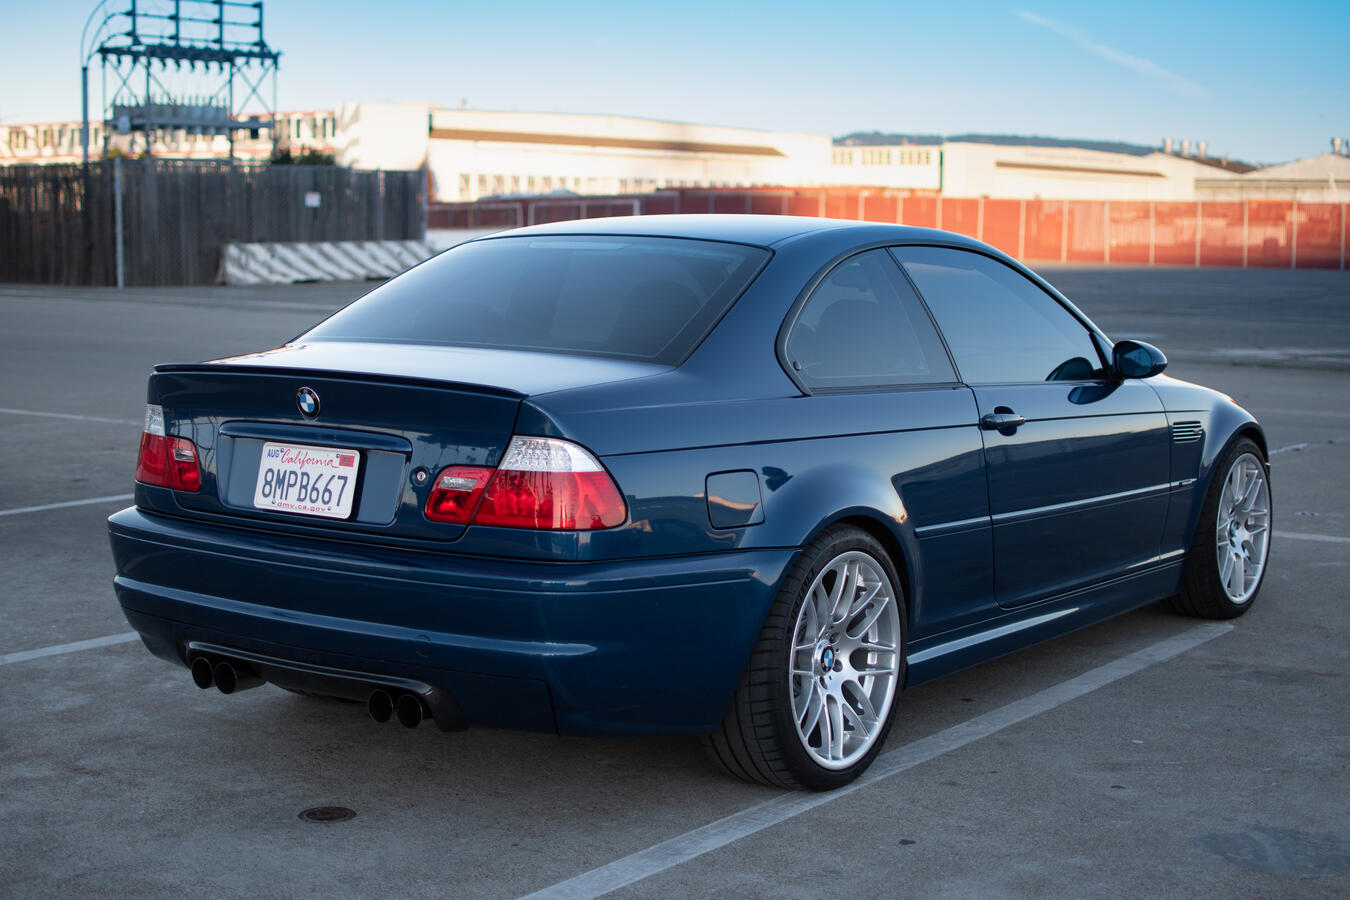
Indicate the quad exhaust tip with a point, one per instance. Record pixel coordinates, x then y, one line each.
409 710
227 676
203 673
231 676
380 706
383 706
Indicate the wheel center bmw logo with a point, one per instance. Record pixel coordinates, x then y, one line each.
308 402
827 659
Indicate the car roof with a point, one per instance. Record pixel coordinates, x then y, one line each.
764 231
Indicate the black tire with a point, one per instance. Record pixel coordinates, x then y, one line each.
1203 593
759 738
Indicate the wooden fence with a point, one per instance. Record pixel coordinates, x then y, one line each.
59 224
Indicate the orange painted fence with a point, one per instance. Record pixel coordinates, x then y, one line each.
1268 233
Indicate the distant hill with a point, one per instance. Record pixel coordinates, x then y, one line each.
867 138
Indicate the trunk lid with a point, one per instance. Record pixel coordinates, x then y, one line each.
391 413
524 373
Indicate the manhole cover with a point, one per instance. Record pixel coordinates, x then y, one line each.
328 814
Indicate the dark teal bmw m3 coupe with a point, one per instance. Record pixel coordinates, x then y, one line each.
734 476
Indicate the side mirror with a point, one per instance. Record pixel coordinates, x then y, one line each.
1135 359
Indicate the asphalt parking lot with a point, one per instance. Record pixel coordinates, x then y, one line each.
1152 755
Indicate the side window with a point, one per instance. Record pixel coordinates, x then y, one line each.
863 326
999 326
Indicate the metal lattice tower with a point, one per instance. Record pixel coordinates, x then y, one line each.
198 65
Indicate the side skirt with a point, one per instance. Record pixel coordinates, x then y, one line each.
1026 626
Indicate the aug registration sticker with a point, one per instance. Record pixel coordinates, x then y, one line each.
312 481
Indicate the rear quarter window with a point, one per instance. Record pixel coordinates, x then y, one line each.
863 327
641 298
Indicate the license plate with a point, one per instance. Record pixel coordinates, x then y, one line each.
312 481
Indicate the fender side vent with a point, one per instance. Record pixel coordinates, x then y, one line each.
1187 432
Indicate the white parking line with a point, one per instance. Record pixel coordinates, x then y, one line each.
1301 446
75 647
1303 536
52 415
1321 413
20 510
715 835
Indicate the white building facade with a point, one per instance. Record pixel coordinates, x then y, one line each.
914 166
1318 179
471 155
1070 173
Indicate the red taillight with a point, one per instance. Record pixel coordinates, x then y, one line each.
542 483
184 473
558 501
455 494
166 461
152 464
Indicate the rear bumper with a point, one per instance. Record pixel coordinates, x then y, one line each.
638 646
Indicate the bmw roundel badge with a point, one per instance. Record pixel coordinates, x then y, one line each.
308 402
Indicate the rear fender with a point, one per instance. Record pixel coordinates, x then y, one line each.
853 494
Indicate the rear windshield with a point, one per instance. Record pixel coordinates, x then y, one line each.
630 297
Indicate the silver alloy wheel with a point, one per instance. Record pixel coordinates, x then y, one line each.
1242 531
845 661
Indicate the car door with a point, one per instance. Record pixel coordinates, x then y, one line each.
868 356
1077 460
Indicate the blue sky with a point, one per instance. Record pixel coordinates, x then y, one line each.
1257 81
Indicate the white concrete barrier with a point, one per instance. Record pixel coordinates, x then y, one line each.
319 261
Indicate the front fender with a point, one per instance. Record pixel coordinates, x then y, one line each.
1228 422
1195 463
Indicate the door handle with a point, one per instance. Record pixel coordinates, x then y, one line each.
1001 421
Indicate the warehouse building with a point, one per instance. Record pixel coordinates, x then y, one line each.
473 155
1071 173
1318 179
